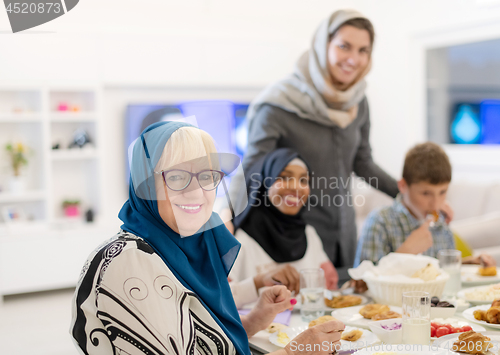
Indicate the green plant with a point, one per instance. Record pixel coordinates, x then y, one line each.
68 203
18 155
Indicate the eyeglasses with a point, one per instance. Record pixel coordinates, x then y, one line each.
178 180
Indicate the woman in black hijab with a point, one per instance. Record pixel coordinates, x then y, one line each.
272 230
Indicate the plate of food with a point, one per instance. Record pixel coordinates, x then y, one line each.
488 315
442 327
285 335
335 300
352 338
471 342
480 295
391 349
475 275
361 316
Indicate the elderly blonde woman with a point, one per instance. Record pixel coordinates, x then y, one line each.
160 286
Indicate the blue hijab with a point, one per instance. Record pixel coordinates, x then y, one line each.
201 262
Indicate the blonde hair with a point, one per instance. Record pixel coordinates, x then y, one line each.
185 144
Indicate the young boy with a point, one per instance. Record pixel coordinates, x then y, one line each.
408 226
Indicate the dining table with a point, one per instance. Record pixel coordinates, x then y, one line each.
260 343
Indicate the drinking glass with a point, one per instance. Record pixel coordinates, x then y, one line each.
312 288
450 260
416 318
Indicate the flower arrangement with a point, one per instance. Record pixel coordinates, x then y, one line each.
18 155
68 203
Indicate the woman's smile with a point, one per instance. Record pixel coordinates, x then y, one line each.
190 208
292 200
348 69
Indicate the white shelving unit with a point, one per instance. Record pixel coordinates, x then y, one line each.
54 247
26 196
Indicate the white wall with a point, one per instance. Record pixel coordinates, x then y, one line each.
203 43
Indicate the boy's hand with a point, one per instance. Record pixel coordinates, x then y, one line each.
447 211
418 241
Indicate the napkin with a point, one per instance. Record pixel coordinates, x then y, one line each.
282 318
395 267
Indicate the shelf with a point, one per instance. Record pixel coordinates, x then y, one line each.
20 117
31 115
73 116
73 154
27 196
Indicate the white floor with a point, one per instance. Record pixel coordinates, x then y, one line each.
36 324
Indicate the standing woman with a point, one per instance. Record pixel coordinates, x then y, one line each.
321 112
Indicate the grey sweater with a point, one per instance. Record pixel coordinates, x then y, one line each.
332 154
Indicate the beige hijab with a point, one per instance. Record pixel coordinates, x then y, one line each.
309 91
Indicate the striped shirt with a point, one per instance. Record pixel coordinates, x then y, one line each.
386 230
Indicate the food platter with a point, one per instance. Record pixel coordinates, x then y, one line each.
469 315
480 295
394 349
330 295
446 342
470 276
350 316
367 339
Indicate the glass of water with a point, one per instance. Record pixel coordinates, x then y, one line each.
416 318
450 260
312 288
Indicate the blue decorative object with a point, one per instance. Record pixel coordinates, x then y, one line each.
215 117
490 119
466 127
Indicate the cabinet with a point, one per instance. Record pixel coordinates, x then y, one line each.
41 248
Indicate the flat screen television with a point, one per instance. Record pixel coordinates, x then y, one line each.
475 122
224 120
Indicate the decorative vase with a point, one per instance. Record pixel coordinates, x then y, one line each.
72 211
16 185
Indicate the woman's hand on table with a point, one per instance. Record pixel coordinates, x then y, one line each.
359 286
285 275
484 260
331 275
272 301
326 336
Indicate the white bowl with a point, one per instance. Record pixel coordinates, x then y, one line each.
387 336
389 292
443 312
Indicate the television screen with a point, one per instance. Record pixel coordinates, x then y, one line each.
475 122
223 120
490 120
465 125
